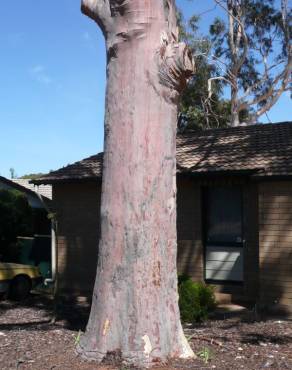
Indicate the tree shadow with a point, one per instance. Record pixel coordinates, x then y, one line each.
38 312
78 207
259 339
255 147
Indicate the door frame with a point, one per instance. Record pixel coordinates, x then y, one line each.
242 244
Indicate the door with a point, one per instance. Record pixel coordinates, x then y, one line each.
223 234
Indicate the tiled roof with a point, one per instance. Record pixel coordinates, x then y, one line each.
88 168
265 149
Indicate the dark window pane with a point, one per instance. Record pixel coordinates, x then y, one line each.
224 211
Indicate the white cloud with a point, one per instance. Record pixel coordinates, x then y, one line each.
39 74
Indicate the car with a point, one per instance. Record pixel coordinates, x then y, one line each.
17 280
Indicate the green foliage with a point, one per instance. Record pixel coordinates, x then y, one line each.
196 109
77 337
205 354
32 176
196 300
16 218
247 69
267 47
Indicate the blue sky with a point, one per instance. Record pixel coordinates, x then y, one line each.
52 83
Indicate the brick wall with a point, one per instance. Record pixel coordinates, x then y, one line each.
190 234
189 229
275 219
77 206
251 245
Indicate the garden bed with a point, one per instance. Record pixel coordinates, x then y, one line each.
29 341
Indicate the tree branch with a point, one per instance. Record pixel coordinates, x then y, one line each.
99 11
237 35
273 99
273 94
231 29
285 76
264 77
238 62
210 93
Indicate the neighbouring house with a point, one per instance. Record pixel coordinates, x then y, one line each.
36 248
234 214
45 191
39 198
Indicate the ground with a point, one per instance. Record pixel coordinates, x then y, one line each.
29 341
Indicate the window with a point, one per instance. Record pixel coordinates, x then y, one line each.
223 234
224 215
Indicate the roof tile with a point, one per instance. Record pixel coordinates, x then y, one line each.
265 148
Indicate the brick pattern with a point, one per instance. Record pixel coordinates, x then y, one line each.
275 235
190 233
251 245
77 207
270 248
43 190
189 229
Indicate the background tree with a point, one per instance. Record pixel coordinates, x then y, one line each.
134 309
16 219
254 47
31 176
247 53
12 173
197 108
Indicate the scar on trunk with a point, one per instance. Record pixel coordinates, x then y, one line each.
106 327
147 345
156 275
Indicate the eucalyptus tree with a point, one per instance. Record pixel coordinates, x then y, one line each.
198 109
135 302
252 44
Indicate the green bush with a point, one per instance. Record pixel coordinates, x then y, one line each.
196 300
15 219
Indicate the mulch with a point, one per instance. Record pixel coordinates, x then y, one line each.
29 341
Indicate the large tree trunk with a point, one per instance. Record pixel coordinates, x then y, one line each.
135 301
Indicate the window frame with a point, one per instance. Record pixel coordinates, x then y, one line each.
206 244
206 203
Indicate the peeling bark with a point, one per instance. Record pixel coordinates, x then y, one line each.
135 302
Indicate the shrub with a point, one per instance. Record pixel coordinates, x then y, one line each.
15 219
196 299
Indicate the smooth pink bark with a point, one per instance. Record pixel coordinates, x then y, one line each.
135 301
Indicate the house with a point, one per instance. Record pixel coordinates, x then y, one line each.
36 248
45 191
39 198
234 214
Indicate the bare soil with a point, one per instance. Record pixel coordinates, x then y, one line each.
29 341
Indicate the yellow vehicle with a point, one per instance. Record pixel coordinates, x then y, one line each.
17 280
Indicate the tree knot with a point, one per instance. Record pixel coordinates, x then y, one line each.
176 64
